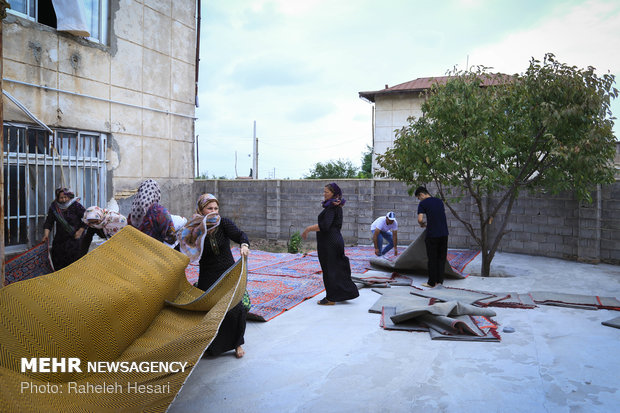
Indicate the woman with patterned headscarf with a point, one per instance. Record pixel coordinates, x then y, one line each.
66 212
109 222
330 248
205 239
103 222
150 217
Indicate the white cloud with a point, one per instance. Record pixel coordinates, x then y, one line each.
296 67
585 35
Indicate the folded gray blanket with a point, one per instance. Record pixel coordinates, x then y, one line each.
614 322
413 260
444 321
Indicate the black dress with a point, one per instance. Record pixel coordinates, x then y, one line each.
334 264
65 248
215 260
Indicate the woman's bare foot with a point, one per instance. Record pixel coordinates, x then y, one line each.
239 352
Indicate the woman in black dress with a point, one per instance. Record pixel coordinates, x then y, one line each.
66 212
206 239
330 248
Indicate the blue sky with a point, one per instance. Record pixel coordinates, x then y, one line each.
296 67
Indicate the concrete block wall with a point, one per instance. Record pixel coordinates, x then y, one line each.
540 224
610 224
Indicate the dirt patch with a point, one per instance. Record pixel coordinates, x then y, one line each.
280 245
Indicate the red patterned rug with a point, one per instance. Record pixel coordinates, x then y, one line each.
30 264
278 282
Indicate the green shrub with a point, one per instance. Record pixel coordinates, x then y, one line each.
294 243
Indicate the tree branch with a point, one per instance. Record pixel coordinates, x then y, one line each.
467 225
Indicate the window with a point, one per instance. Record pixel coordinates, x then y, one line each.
42 11
36 163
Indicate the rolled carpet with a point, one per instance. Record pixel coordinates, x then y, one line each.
108 311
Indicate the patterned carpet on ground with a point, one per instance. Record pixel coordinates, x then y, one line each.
278 282
30 264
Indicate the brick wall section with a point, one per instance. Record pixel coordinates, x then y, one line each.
556 226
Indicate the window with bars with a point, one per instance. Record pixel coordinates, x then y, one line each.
36 163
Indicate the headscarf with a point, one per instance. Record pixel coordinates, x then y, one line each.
110 221
337 199
58 208
147 195
67 192
192 236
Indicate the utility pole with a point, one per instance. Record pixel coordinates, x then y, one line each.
236 174
197 174
255 159
3 6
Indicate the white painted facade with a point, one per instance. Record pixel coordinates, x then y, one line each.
119 105
391 114
137 86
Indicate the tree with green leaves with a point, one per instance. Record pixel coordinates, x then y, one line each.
333 170
366 170
549 129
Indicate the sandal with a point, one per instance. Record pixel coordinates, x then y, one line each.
325 301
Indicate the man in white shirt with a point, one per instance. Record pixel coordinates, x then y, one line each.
385 228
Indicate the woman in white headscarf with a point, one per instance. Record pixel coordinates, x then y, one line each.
103 222
109 222
205 239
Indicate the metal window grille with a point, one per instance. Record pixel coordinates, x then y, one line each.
35 164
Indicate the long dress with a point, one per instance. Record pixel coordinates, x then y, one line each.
334 263
65 248
215 260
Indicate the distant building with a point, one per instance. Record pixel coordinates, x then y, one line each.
394 105
96 98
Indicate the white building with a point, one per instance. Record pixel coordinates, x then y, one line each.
97 96
393 106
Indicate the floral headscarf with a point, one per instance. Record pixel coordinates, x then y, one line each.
147 195
192 236
110 221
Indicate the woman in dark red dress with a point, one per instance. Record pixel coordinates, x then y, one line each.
330 248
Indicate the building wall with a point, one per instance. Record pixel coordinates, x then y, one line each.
149 63
556 226
391 113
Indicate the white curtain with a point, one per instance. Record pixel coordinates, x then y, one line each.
71 17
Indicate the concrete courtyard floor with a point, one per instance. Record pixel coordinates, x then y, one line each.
337 359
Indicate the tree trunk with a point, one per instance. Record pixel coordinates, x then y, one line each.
485 268
484 237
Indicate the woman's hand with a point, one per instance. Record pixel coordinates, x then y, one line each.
244 250
46 236
79 233
311 228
